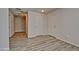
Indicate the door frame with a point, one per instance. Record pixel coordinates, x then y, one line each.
26 29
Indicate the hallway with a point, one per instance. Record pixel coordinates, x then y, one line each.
19 42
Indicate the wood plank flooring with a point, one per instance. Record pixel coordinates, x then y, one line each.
39 43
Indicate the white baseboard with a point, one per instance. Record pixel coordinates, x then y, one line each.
65 40
30 36
4 49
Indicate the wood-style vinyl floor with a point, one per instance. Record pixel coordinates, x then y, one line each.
19 42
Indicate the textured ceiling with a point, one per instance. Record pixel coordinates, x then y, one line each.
17 10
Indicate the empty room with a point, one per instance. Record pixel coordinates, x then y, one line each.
39 29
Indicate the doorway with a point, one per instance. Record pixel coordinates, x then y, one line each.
20 25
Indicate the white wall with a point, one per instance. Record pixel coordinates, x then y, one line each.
26 24
11 24
37 24
4 29
64 24
19 24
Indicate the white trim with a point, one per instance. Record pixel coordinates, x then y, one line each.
30 36
35 35
65 40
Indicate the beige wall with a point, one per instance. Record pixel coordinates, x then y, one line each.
26 26
11 24
20 24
